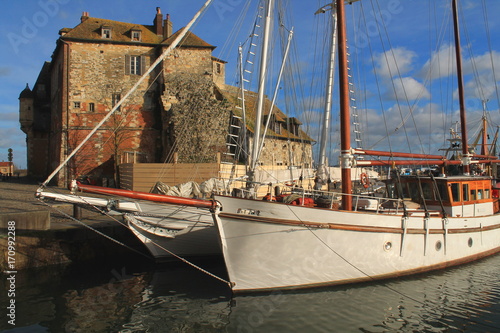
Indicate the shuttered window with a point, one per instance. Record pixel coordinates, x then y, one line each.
135 65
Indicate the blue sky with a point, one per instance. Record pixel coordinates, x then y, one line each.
418 39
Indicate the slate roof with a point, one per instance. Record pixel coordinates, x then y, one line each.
121 32
231 94
26 93
190 40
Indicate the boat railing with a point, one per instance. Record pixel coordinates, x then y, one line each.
331 199
369 202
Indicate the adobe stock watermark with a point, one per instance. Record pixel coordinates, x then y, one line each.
223 7
380 18
31 25
11 272
264 307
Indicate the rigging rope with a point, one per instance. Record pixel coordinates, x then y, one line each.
94 229
128 247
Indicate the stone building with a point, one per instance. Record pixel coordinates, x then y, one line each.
183 107
6 168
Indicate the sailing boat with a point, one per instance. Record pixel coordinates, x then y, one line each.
169 226
271 245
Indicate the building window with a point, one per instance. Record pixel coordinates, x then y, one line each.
76 105
136 35
116 97
277 127
106 32
218 68
134 65
91 107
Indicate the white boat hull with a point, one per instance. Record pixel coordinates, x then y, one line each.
166 230
184 232
270 246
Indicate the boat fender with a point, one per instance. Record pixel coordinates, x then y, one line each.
365 181
269 197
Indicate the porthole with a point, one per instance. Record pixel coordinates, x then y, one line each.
470 242
438 245
387 246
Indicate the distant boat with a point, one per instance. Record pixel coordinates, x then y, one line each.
428 223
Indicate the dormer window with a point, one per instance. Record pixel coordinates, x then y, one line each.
277 127
106 32
136 35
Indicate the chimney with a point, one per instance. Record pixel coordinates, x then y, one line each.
157 22
167 27
85 17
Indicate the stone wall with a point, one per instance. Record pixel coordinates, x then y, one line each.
196 61
196 123
97 80
285 153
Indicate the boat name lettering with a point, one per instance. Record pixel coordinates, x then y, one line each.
248 211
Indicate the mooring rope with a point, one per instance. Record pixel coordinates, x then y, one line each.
130 248
95 230
192 264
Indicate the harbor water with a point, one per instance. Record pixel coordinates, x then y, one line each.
137 296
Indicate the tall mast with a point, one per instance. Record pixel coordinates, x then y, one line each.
345 128
463 119
484 149
325 129
261 90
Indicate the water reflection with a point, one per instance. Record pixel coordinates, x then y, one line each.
128 297
460 299
180 299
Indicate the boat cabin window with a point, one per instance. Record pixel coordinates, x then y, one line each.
445 191
427 191
471 191
455 191
465 191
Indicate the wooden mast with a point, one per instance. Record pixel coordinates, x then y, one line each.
345 139
463 119
484 149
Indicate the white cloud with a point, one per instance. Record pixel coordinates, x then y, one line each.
441 64
395 62
406 89
483 85
483 63
424 130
